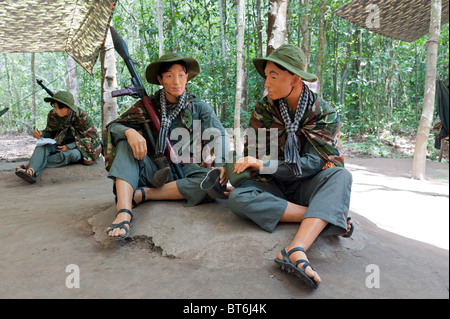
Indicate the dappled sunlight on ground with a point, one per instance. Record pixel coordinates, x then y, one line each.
397 203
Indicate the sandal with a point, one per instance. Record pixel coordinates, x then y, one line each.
134 193
143 196
26 176
352 228
121 225
21 167
287 266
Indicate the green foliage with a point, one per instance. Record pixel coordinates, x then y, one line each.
375 83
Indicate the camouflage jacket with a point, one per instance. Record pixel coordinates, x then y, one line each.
81 127
136 117
319 126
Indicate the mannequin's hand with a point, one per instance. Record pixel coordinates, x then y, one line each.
137 143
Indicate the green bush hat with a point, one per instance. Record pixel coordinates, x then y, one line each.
152 70
288 56
63 97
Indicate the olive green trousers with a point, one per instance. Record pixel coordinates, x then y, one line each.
139 173
47 156
327 196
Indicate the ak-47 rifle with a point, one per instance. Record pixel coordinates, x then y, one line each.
137 90
50 92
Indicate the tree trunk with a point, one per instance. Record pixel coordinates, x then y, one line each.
160 27
72 80
240 23
223 54
109 81
10 95
259 27
420 152
321 53
305 32
276 25
33 91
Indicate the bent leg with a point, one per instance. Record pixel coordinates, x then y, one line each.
327 196
261 202
125 171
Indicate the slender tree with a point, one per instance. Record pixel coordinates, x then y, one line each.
33 90
420 152
240 23
109 81
72 79
276 26
160 12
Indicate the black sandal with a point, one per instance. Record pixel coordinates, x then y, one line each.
143 196
23 174
134 193
287 266
352 228
121 225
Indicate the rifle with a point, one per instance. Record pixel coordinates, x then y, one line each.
137 90
50 92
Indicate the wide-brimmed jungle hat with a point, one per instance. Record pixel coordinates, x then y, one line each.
152 70
63 97
288 56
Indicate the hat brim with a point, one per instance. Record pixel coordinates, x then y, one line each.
260 64
51 99
151 73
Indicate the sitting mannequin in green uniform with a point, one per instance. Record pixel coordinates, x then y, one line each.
75 134
141 173
310 186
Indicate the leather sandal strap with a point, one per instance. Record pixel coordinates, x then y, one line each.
306 264
124 210
143 196
120 225
293 250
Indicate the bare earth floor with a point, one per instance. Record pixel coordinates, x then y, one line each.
398 250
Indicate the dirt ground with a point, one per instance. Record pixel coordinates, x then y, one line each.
402 228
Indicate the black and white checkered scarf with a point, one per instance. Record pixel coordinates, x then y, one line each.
291 151
166 120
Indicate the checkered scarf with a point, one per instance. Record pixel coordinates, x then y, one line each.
166 120
291 151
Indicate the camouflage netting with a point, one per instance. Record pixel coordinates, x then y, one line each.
406 20
76 27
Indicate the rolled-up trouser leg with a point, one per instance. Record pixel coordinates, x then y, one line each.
126 167
262 202
327 196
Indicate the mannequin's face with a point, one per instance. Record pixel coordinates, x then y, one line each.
174 82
